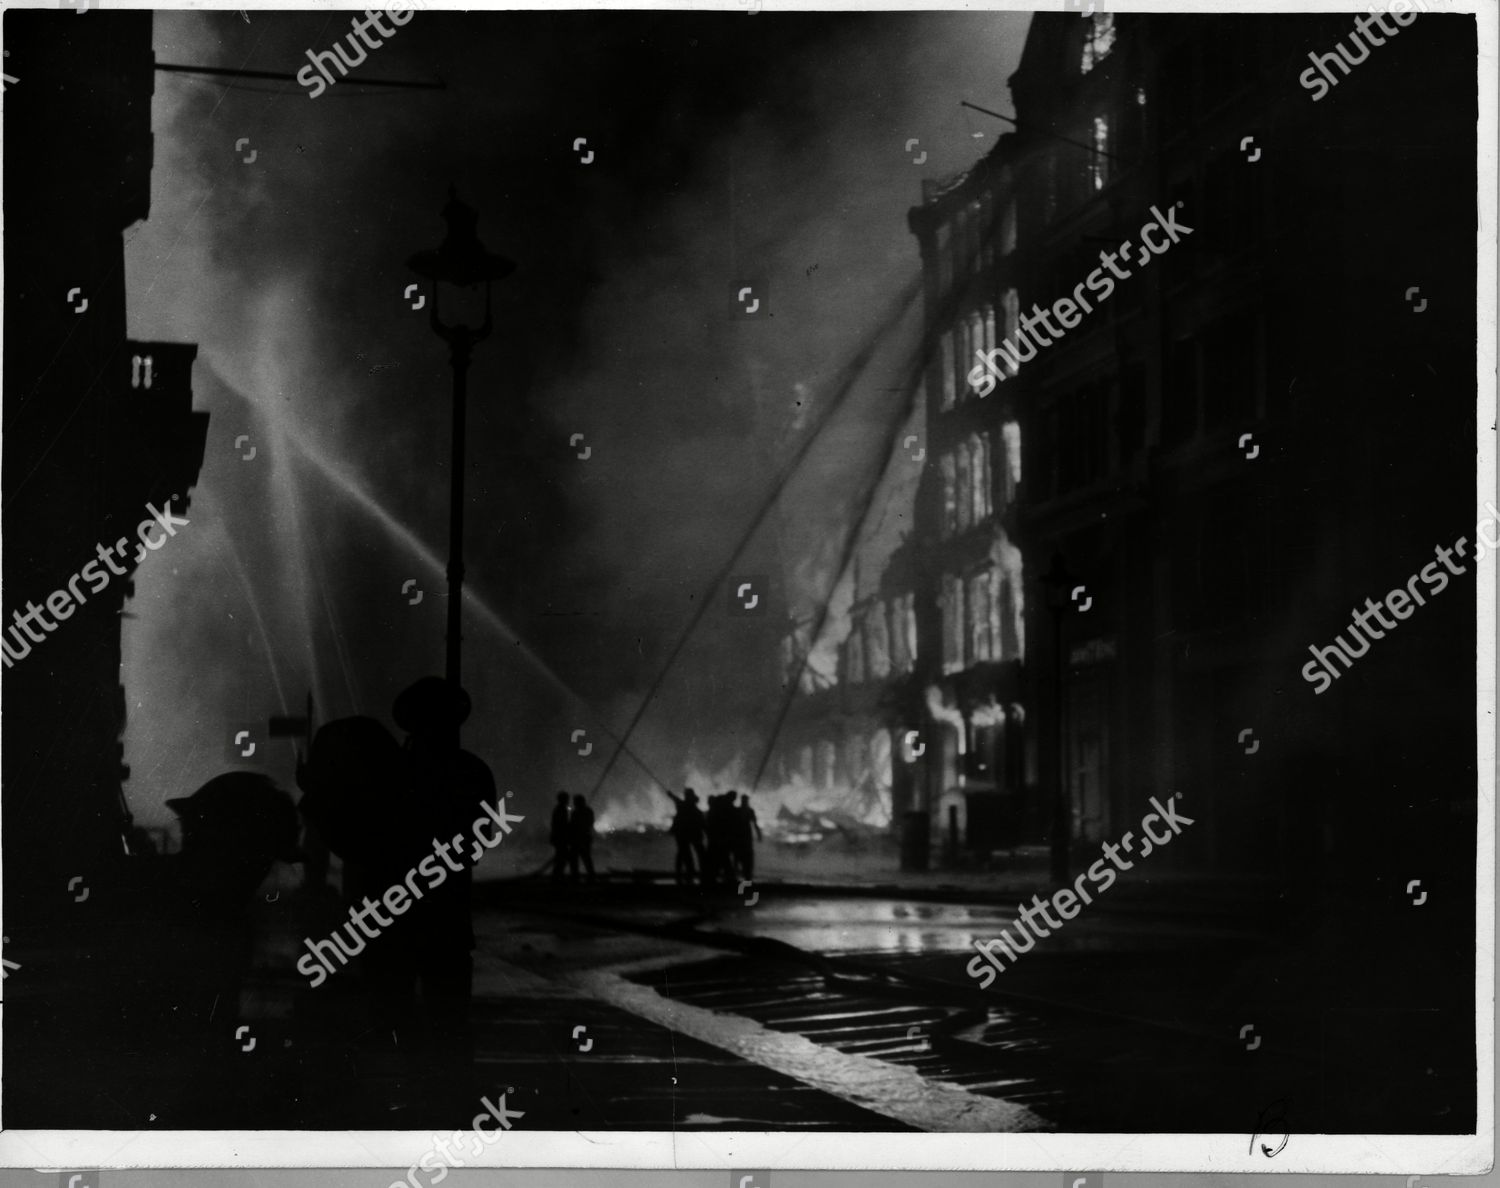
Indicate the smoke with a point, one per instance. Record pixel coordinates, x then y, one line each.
727 152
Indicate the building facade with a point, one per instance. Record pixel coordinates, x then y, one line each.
971 597
97 428
1208 435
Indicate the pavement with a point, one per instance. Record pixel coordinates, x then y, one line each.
638 1005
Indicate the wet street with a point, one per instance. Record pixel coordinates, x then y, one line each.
809 1010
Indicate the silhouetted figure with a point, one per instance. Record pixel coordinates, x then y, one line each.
687 829
719 828
746 834
452 787
184 963
581 837
560 837
357 796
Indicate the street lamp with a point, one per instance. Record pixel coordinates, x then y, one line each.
460 262
1059 585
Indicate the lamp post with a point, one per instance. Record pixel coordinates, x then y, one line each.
460 262
1059 584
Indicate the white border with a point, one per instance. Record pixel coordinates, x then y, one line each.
1381 1154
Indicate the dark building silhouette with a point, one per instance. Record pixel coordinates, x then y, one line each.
96 427
1210 560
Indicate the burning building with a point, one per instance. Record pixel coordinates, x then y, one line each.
1127 534
1200 492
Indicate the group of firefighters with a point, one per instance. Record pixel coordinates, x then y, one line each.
718 844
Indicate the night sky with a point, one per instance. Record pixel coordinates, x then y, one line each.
769 148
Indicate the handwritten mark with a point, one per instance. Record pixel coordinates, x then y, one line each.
1273 1125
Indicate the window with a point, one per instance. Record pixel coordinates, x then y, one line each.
1010 434
1011 302
828 763
1010 623
964 493
980 338
909 622
1049 189
983 617
1099 156
979 477
945 372
899 648
973 239
1098 40
140 371
952 603
950 495
854 657
1008 227
964 338
941 246
877 643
